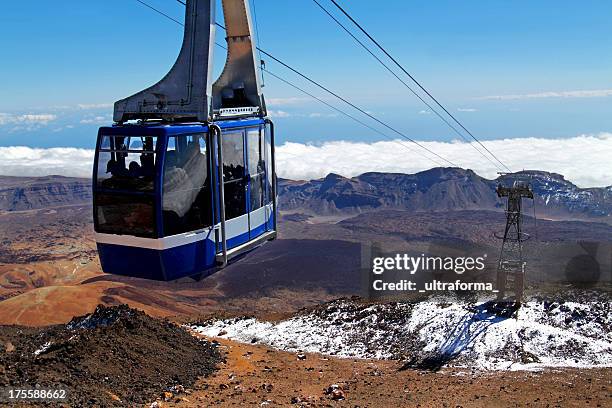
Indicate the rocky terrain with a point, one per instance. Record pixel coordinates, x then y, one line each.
558 195
49 270
113 357
283 296
443 332
28 193
256 375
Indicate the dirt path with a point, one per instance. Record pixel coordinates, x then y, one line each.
259 376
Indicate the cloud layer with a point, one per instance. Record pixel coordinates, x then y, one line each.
95 105
584 160
26 161
26 119
58 117
596 93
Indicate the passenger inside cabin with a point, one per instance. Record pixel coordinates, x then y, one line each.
129 170
134 170
186 189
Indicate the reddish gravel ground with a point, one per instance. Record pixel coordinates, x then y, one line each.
254 375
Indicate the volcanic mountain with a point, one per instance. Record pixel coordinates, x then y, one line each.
28 193
439 189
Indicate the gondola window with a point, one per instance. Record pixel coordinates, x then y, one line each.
234 174
186 188
257 167
127 163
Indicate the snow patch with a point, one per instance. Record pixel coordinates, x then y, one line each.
42 349
460 334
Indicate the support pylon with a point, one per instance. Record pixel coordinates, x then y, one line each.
511 267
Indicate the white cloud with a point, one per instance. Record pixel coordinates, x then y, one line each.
41 118
27 161
26 119
596 93
294 100
424 112
584 160
278 114
55 107
95 105
467 110
96 120
322 115
79 106
61 128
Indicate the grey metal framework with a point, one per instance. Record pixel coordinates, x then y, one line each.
238 87
511 267
187 92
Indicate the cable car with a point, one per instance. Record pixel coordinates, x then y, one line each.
185 181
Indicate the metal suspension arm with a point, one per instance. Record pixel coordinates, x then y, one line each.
187 92
238 91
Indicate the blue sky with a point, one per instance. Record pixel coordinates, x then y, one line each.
65 62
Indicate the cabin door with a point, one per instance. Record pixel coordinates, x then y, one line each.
235 180
257 178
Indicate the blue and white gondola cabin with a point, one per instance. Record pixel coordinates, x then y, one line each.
184 181
157 198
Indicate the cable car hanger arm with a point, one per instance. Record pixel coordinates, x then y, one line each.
187 92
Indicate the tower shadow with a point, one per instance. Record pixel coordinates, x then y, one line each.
471 325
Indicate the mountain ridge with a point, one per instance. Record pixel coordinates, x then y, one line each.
436 189
31 193
439 189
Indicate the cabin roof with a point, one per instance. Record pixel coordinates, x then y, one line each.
161 129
